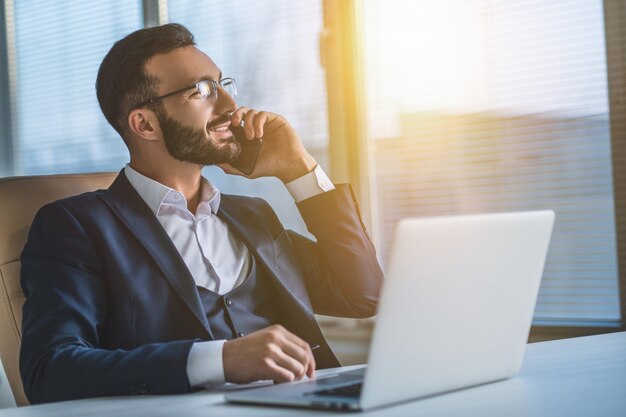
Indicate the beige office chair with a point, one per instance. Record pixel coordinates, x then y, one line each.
20 199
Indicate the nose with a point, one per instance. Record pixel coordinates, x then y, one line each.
225 102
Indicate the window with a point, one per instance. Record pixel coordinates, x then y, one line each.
472 106
58 49
486 106
271 49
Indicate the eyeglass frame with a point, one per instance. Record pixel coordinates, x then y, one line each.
214 85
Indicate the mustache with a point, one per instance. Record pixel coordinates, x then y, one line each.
220 120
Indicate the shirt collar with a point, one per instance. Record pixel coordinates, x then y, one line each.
156 194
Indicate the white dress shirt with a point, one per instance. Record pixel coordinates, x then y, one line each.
217 259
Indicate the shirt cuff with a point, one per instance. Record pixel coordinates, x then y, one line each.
205 365
309 185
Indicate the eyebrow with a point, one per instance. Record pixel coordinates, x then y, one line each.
205 78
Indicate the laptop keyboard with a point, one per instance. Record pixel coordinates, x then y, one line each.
353 390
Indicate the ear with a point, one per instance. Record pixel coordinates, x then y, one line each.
144 124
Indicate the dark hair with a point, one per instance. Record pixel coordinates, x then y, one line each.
122 79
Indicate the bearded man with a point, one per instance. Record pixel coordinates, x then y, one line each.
160 284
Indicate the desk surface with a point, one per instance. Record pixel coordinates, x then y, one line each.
584 376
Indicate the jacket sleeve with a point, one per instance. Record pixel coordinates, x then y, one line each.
65 311
343 276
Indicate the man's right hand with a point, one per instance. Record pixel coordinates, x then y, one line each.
271 353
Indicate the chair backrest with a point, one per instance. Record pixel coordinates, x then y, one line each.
20 199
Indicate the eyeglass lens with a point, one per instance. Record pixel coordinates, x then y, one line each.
209 88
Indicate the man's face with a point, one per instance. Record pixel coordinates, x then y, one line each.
195 129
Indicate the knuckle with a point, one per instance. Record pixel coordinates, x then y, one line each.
274 349
267 362
272 337
268 350
276 332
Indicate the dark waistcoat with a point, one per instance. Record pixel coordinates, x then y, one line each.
251 306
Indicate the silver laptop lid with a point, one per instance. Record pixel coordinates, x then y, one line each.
457 304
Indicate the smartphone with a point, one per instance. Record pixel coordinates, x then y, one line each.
249 151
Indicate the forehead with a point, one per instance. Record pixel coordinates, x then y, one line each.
181 67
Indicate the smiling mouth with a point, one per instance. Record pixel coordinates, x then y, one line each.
220 128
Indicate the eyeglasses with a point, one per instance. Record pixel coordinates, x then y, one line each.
206 89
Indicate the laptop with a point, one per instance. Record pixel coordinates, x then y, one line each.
455 312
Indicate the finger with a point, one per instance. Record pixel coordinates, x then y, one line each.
299 354
259 123
248 123
310 372
303 354
289 363
274 122
311 365
301 344
238 115
278 373
295 339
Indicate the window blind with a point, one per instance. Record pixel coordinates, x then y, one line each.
487 106
59 47
271 48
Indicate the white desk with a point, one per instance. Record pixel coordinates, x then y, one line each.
575 377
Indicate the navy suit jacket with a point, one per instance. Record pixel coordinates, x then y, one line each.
112 309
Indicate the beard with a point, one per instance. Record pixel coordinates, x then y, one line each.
188 144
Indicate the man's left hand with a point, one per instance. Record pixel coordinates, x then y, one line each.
282 154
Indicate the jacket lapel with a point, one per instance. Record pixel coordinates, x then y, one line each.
143 224
243 221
